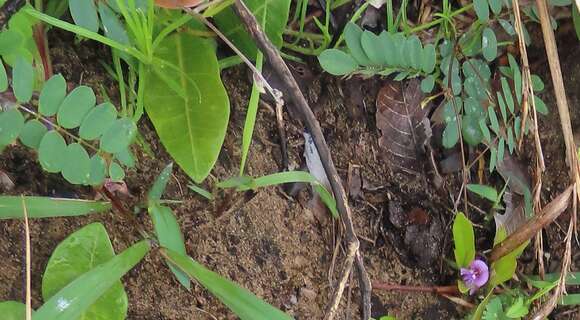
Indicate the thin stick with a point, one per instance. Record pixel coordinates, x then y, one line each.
28 262
332 307
314 128
431 289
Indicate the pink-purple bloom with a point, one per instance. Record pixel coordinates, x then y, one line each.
475 276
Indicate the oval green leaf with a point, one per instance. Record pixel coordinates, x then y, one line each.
119 135
484 191
116 173
52 95
78 254
464 240
507 93
352 37
470 130
427 84
489 44
111 24
22 80
481 9
372 48
74 299
97 121
3 77
192 126
78 165
450 135
51 152
517 77
32 133
11 124
84 14
98 171
336 62
75 106
414 52
495 6
540 105
429 58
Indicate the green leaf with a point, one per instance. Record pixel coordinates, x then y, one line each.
540 105
389 53
75 106
503 269
352 37
81 293
517 78
44 207
52 95
429 58
12 310
201 191
22 80
84 14
464 240
493 119
502 107
169 236
3 77
492 158
372 47
32 133
78 165
450 135
481 9
116 173
489 44
337 62
494 310
242 302
192 128
51 152
113 28
500 149
517 310
517 125
571 299
485 130
537 83
470 130
272 15
575 19
427 84
119 135
507 94
97 121
510 140
414 50
98 171
495 6
507 26
78 254
160 184
126 158
484 191
11 124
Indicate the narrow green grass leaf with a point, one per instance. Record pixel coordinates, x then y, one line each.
464 240
74 299
251 114
22 80
241 301
484 191
75 106
51 152
160 184
201 191
78 254
45 207
570 299
52 95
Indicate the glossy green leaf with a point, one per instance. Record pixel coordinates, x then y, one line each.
540 105
481 9
429 58
169 235
51 152
45 207
22 80
192 127
489 44
493 119
113 28
484 191
336 62
464 240
272 15
98 171
75 107
81 293
32 133
116 173
118 136
517 78
11 124
78 165
242 302
52 95
507 94
160 184
3 77
427 84
12 310
470 130
84 14
78 254
450 135
97 121
495 6
372 47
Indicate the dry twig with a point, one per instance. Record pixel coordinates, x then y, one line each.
314 128
28 261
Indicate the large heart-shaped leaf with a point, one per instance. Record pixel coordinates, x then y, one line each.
272 16
187 103
79 253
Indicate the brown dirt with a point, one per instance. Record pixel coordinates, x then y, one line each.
272 244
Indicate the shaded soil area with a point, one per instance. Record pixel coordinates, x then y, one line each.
278 246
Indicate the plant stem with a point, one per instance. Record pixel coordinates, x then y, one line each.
433 289
435 22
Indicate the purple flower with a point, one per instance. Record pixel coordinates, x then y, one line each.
475 276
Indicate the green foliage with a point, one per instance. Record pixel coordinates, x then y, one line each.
71 301
464 240
503 269
484 191
12 310
79 253
22 80
42 207
242 302
52 95
192 121
84 14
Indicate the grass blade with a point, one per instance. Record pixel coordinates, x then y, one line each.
45 207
